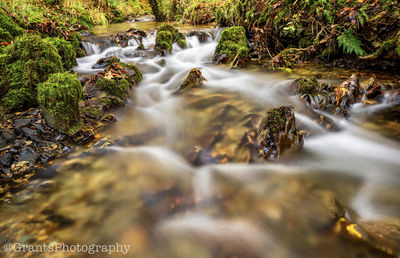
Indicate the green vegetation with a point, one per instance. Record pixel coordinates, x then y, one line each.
27 62
66 51
117 88
34 14
288 31
59 97
166 36
232 45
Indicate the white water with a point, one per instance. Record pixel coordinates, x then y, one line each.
352 151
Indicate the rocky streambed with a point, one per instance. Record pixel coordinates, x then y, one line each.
208 161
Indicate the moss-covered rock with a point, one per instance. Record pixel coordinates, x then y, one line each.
232 46
65 50
166 36
117 88
133 73
27 62
8 28
59 98
278 133
164 42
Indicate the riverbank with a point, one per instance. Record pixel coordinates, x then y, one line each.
351 34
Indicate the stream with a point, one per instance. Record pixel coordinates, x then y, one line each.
137 186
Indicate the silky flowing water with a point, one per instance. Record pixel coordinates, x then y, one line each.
140 188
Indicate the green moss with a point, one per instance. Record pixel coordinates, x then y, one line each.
114 88
169 28
65 50
5 36
232 43
30 60
8 26
75 38
181 40
59 97
164 41
307 85
136 77
166 36
274 122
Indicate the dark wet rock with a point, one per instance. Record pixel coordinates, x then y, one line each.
329 98
134 31
29 133
104 62
121 40
278 133
194 79
83 79
6 159
19 143
40 128
18 123
6 137
203 36
28 154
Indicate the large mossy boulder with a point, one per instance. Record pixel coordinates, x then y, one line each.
66 51
232 46
26 63
167 35
278 133
59 98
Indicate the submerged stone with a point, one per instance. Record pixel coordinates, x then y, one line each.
278 133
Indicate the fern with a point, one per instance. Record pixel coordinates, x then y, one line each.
350 43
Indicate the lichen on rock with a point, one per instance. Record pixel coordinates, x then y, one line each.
232 46
59 98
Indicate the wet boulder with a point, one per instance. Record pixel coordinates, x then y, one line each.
194 79
232 46
322 96
59 97
166 36
104 62
114 80
202 36
278 133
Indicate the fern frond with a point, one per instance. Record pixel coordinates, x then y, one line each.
350 43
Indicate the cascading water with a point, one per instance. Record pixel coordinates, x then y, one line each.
145 193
